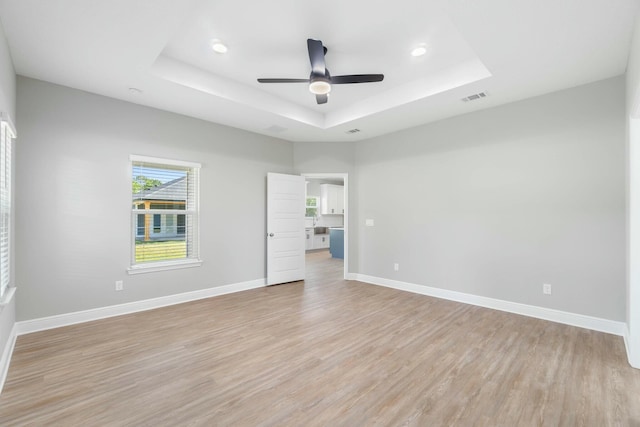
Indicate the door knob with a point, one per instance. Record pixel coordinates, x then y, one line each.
270 234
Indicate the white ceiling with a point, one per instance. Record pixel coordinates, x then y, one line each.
507 48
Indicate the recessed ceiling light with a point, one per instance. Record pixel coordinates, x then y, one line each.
218 46
419 50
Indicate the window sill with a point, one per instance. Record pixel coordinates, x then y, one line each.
163 266
8 296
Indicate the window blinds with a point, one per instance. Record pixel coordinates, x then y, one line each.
164 210
7 133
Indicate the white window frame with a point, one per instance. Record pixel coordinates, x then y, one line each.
192 209
7 134
316 206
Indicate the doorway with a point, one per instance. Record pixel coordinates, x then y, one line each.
329 217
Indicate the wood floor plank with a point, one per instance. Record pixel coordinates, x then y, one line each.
317 353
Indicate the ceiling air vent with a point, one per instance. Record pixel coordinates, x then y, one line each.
354 130
275 129
475 96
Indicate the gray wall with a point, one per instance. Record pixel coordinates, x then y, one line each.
7 105
7 79
73 198
494 203
324 157
498 202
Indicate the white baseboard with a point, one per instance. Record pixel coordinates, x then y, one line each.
627 342
6 356
35 325
632 356
573 319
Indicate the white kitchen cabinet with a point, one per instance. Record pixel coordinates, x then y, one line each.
308 243
332 199
315 241
320 241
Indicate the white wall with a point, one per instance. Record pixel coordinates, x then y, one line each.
633 196
73 198
498 202
7 105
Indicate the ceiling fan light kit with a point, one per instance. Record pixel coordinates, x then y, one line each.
320 87
320 80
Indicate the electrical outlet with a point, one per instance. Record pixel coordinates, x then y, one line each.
396 267
119 285
546 289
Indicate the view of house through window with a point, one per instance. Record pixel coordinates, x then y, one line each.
165 210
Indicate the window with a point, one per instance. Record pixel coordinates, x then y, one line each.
157 222
140 225
181 224
311 206
162 237
7 133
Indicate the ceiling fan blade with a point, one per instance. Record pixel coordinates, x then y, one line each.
322 99
357 78
283 80
316 56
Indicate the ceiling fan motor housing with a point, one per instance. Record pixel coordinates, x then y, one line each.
320 85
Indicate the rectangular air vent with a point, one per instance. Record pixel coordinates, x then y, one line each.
475 96
275 129
353 131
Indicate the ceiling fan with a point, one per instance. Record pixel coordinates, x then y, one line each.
320 80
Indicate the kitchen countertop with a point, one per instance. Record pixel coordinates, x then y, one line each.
317 234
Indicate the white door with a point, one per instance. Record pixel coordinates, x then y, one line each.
285 228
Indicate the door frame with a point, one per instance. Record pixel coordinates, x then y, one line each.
345 179
632 338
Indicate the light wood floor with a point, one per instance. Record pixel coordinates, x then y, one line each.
326 352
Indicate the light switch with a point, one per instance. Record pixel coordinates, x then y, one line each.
368 222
